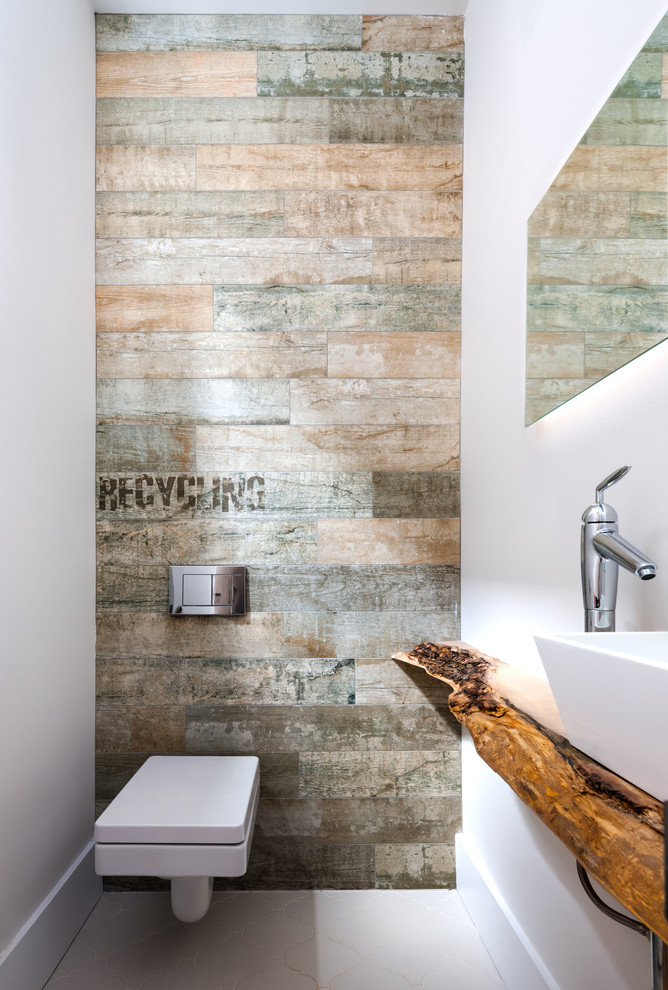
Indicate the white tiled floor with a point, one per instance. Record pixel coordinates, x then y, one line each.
304 940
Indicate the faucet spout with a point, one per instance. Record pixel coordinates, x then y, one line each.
614 547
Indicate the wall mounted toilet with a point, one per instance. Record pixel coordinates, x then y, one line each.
185 818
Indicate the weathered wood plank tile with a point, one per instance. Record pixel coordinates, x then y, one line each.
153 168
221 32
360 74
287 494
348 822
629 122
605 352
353 820
597 307
290 865
149 447
282 588
596 261
373 214
658 40
211 355
187 541
397 774
133 683
189 214
143 635
329 167
209 400
277 260
210 120
321 448
177 74
397 120
414 866
411 494
393 355
386 682
214 685
649 215
642 80
412 33
279 775
533 260
377 308
388 541
422 260
186 308
363 634
374 401
581 214
354 588
664 77
132 589
275 728
146 730
555 355
632 168
545 394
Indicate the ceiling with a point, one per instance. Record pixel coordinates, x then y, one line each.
278 7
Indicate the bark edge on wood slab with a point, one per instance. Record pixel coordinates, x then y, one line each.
612 827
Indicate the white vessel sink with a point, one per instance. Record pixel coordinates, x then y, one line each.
611 690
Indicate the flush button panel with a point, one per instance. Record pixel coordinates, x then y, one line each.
207 590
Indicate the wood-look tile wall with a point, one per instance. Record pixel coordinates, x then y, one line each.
278 267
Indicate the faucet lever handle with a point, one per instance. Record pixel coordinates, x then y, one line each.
612 479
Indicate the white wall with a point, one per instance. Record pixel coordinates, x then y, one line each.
537 73
47 402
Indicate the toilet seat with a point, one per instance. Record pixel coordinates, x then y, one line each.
181 816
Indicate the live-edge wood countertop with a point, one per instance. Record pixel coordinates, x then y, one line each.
614 829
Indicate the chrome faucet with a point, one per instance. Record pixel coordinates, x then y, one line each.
602 551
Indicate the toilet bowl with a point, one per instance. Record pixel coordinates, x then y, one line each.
185 818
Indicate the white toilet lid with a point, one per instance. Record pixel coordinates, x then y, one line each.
184 799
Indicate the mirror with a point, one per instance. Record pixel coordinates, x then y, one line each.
597 256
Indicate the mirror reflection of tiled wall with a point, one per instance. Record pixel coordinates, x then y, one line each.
598 257
279 224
